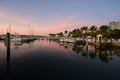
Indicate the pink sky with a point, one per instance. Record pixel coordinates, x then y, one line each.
46 17
20 21
20 25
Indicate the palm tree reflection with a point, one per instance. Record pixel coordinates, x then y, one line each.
90 51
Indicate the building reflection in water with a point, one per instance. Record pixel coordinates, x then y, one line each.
90 51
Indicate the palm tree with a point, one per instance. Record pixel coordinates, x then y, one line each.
84 30
52 36
70 34
104 29
78 32
115 34
66 33
60 34
93 31
74 33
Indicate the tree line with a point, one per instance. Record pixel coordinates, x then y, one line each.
92 31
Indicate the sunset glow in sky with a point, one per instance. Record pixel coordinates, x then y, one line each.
53 16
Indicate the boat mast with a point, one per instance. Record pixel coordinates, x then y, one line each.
9 29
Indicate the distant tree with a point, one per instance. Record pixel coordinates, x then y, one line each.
60 34
115 33
104 29
84 30
66 33
52 35
70 34
74 33
78 33
93 31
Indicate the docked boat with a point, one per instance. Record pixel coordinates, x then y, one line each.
2 37
16 39
69 40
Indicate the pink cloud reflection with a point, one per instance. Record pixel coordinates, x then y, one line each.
55 46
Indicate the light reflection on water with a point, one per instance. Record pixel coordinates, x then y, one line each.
44 59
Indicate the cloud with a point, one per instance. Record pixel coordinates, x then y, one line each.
21 24
67 24
13 29
20 21
58 27
17 18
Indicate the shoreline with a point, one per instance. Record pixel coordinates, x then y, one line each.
113 44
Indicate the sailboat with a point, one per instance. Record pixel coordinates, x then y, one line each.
15 37
2 37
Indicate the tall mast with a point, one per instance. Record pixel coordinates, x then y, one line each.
30 29
9 29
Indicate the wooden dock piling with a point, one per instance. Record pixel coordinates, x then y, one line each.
8 54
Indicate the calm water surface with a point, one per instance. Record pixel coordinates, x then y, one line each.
48 60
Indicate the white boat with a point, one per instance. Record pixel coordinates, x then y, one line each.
16 39
70 40
61 39
2 37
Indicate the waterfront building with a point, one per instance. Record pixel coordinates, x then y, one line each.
114 25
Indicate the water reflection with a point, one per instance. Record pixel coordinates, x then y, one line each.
67 61
19 43
90 51
8 60
8 46
87 51
66 45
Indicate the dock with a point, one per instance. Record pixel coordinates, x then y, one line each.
113 45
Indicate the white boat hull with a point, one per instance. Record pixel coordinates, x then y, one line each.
71 40
16 39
